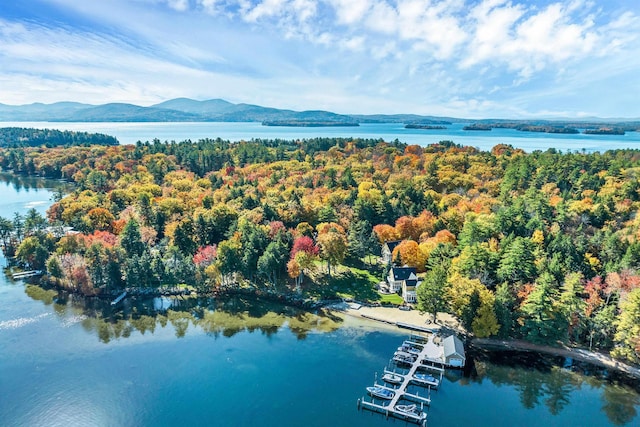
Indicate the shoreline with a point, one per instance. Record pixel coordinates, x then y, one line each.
392 318
580 354
388 318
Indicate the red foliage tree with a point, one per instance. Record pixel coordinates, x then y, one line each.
205 255
304 244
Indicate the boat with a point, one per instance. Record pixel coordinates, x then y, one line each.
380 392
405 355
411 410
409 349
428 378
392 378
403 360
407 409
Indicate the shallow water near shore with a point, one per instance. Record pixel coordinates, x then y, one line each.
69 361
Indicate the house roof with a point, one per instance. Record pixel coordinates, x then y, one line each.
391 245
453 346
411 282
403 273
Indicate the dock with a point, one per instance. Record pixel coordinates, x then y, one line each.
418 354
26 274
119 298
415 327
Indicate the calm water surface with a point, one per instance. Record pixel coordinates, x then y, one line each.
130 133
69 362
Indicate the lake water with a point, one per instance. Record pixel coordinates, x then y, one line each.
65 362
130 133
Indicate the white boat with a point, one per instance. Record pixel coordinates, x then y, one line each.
380 392
428 378
392 378
407 409
404 357
410 349
411 410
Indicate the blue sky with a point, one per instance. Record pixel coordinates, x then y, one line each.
462 58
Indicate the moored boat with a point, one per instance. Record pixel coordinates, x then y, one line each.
411 410
392 378
427 378
380 392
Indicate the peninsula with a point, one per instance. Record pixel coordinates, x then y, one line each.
499 239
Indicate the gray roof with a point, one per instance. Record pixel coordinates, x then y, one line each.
402 273
453 345
411 282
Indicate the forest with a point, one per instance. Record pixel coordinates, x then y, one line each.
28 137
541 246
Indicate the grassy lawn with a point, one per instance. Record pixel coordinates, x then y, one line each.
348 282
391 299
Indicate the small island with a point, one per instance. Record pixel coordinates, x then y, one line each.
309 123
477 126
604 131
547 129
424 127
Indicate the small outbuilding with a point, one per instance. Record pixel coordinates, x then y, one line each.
387 251
454 355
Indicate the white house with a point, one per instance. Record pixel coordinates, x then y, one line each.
404 279
409 287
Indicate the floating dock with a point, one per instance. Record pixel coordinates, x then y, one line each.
417 354
26 274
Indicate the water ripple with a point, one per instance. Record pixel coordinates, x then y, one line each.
70 321
21 321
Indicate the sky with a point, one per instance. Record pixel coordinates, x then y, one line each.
460 58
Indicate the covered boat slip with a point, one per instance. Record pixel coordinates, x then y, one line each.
417 359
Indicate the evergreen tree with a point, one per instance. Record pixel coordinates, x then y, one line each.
543 322
517 264
131 240
505 309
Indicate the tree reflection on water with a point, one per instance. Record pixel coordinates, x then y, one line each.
216 317
552 381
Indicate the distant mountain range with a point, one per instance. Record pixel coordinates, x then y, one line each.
189 110
219 110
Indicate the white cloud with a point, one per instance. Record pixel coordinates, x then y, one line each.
267 8
354 43
425 56
289 11
179 5
350 11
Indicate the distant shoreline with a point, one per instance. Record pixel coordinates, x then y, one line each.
294 123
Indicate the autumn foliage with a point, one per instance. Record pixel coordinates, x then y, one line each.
549 241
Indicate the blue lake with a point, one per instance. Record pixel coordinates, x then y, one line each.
130 133
65 361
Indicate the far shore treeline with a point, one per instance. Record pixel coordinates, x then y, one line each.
29 137
542 246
